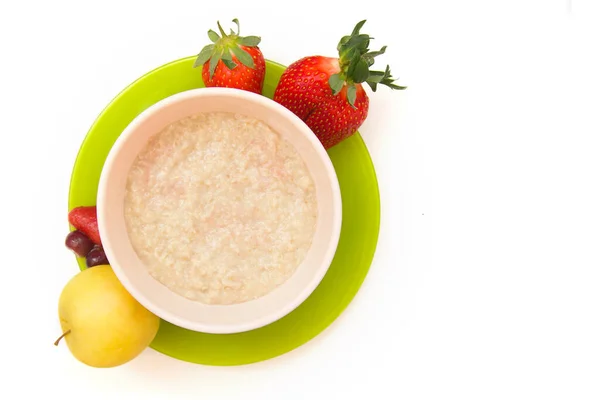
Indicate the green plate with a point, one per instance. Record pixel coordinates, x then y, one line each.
360 226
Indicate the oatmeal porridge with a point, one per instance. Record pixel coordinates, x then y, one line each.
220 208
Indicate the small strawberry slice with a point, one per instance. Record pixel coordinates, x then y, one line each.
85 219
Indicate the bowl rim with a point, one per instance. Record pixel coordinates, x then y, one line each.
336 212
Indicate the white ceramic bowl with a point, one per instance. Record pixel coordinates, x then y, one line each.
159 299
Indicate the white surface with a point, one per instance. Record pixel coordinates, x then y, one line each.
486 280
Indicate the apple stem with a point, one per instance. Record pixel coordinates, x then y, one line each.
62 336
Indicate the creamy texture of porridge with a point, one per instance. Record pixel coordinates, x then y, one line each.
220 208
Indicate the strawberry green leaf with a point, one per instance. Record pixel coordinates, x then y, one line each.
213 36
221 29
227 60
361 71
336 83
376 53
354 47
342 43
235 21
359 42
358 26
394 86
384 78
375 76
214 60
213 65
250 41
372 85
243 56
351 95
226 55
351 65
204 55
229 64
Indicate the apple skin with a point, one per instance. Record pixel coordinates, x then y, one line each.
108 327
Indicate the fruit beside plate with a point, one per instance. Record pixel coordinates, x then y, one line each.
85 241
102 324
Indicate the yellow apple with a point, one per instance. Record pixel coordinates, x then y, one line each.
103 325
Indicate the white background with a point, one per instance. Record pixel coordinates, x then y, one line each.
486 281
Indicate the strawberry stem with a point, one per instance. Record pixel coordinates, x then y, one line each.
355 62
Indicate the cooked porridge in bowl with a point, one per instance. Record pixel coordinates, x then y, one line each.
220 208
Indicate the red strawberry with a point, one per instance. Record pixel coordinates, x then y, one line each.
232 61
85 220
327 93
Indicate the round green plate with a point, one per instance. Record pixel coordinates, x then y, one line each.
360 226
